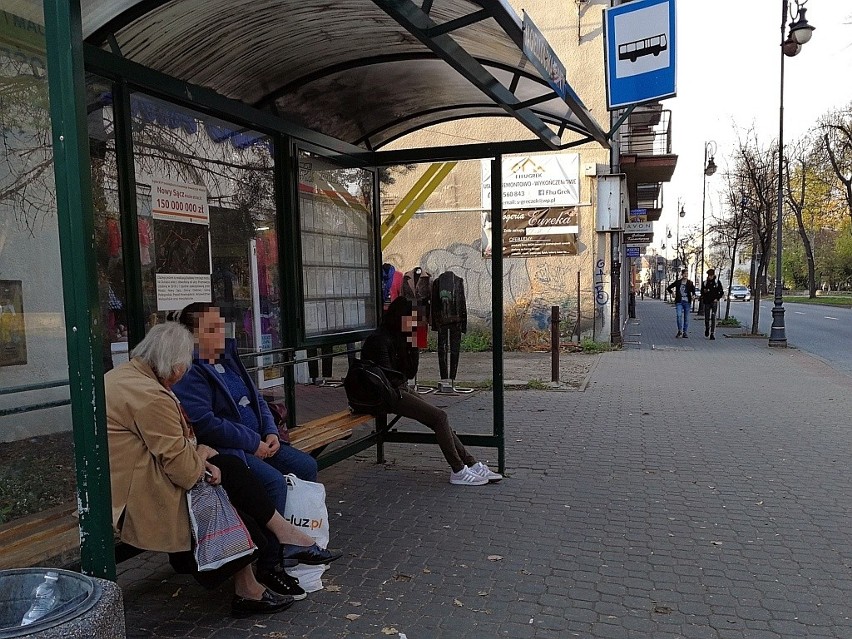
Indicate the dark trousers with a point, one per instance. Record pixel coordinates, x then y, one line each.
313 365
710 310
248 496
449 341
411 405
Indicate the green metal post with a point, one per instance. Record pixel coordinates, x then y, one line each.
497 305
129 215
289 257
79 282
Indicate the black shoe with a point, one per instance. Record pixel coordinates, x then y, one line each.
309 555
280 582
268 603
706 332
685 336
678 334
712 336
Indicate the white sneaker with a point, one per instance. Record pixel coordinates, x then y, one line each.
466 477
484 471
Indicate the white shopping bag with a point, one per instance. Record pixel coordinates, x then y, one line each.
306 510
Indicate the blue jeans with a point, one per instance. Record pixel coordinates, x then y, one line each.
682 309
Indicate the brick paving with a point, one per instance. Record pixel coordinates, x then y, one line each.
695 489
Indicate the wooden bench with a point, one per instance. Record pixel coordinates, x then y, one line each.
319 433
33 539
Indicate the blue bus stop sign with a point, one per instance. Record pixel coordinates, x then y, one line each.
640 52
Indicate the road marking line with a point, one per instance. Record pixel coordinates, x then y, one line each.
831 318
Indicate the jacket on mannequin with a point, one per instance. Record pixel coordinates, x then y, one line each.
417 287
448 302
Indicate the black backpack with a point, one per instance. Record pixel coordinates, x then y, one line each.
371 388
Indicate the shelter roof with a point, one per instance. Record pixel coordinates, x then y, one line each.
363 71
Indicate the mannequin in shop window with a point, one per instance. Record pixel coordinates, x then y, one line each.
449 319
417 289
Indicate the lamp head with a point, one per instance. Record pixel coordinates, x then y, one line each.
791 47
711 167
800 30
682 212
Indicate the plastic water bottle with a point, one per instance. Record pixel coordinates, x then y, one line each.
44 599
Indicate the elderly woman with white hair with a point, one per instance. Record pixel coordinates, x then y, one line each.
155 459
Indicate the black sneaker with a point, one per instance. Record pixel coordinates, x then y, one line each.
678 334
712 336
311 555
279 581
706 332
685 336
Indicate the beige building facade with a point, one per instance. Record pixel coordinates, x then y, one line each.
446 233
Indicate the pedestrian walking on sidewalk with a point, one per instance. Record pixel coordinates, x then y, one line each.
684 291
711 293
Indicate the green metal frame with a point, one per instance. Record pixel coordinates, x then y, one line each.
72 166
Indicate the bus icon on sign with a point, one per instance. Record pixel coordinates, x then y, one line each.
640 48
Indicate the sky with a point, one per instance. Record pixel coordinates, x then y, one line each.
729 75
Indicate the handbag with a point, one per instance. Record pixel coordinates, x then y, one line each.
306 510
371 388
218 531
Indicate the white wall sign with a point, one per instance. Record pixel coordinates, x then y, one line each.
179 202
534 181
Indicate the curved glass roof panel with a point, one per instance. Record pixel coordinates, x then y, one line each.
360 70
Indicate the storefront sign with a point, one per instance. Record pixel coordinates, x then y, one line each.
537 232
536 181
639 227
633 251
181 218
638 238
639 215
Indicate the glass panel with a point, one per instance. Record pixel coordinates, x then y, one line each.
108 247
338 266
36 444
207 224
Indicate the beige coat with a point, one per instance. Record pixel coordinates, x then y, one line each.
152 464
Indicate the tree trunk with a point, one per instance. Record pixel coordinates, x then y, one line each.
731 279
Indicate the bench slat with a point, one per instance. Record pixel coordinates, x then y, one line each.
35 538
325 430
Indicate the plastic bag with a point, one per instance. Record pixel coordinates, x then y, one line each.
306 510
219 533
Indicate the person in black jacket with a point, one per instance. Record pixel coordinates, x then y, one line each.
684 292
711 293
391 346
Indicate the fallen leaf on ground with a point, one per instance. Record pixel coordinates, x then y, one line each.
389 630
333 588
275 635
401 577
177 592
495 557
716 543
355 603
663 610
458 603
353 617
426 571
483 593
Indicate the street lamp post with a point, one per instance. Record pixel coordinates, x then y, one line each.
709 169
800 33
681 213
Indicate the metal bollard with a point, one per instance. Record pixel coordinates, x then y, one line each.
554 343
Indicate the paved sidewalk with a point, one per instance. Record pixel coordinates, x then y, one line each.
695 489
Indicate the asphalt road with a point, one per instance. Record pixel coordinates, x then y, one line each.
824 331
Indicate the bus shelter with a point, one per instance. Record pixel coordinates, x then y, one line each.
316 93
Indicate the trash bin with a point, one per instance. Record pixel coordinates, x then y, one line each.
81 606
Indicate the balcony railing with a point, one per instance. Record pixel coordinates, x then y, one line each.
648 131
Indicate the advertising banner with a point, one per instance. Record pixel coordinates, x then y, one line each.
536 181
13 339
535 232
181 219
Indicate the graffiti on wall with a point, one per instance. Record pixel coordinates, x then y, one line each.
601 296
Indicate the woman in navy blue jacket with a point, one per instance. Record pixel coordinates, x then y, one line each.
228 413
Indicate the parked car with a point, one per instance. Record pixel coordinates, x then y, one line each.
739 293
